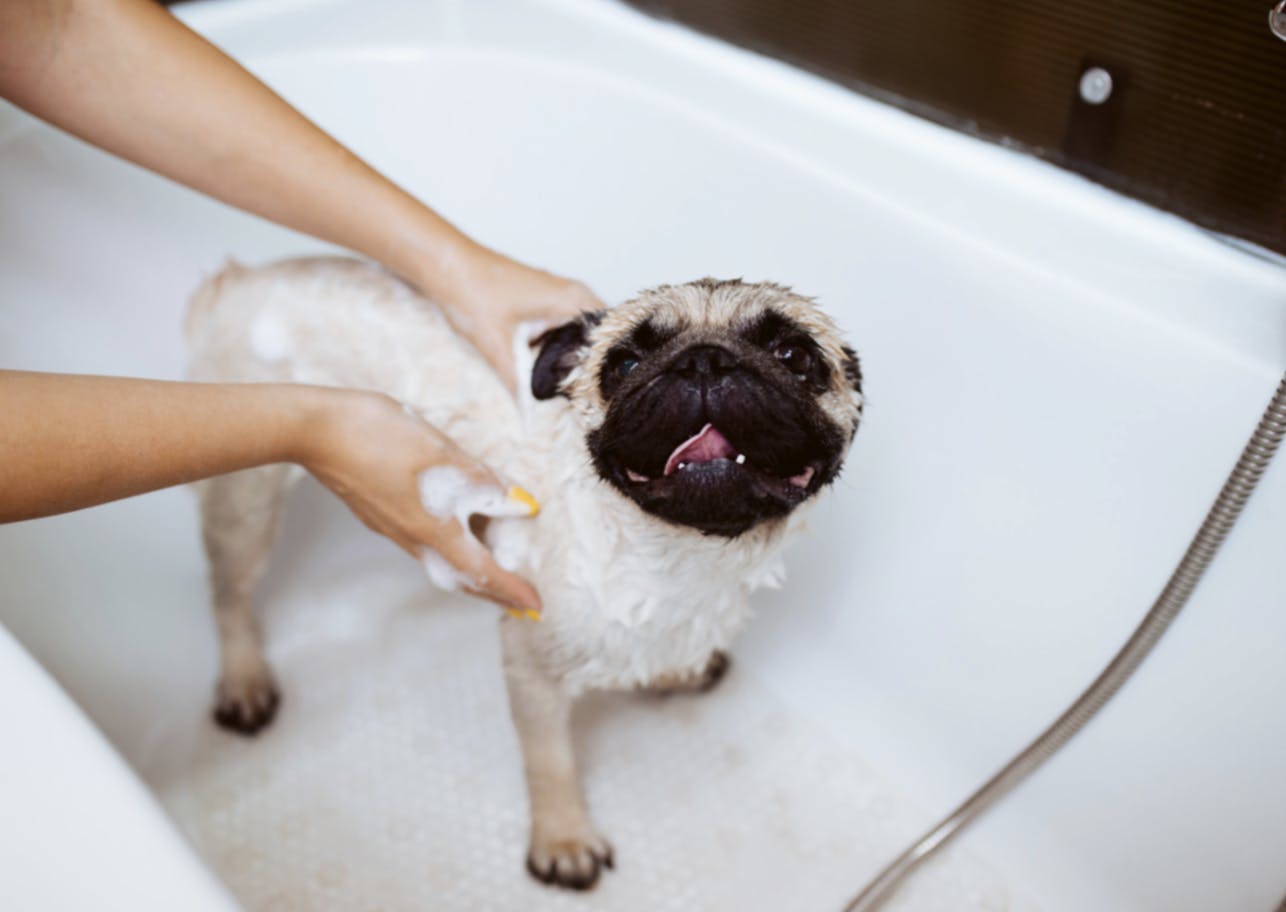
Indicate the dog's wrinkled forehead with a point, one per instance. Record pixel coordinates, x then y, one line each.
712 305
705 310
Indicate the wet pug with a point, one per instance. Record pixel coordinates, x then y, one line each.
675 443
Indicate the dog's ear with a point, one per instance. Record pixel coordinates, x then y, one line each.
852 369
560 349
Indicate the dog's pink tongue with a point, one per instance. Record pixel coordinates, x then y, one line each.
706 445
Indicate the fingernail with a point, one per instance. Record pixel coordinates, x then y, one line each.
532 615
515 613
523 497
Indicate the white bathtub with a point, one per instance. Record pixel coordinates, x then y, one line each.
1058 382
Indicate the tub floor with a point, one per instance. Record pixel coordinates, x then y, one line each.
391 778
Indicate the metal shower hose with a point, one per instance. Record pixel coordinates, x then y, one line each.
1227 507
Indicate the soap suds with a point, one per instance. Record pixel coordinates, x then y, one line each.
448 493
269 339
442 574
509 541
441 490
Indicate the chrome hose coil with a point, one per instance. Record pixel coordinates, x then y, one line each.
1209 538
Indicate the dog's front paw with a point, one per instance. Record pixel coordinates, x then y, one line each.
247 703
569 860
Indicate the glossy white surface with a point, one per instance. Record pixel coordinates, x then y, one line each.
1058 382
79 830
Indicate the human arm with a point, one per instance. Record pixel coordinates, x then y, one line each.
128 77
69 441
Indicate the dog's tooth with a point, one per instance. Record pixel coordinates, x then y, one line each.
741 459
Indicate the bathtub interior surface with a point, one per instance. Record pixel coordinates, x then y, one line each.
391 777
1058 382
56 765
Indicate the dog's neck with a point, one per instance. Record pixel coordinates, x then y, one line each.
628 597
636 566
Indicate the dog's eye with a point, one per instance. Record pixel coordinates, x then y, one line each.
795 358
625 367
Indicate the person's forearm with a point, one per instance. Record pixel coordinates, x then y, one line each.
128 77
182 108
72 441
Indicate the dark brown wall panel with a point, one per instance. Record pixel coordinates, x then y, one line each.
1196 122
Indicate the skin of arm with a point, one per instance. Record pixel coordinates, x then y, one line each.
131 79
64 448
126 76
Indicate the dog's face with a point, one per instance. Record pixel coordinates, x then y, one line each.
714 405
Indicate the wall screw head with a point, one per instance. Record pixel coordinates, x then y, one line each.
1277 20
1096 85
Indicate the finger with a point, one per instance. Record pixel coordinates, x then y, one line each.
583 300
497 353
494 349
513 593
500 355
442 451
476 471
482 576
565 307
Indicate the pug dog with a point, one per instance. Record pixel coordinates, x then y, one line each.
675 442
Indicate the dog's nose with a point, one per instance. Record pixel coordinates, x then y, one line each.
704 359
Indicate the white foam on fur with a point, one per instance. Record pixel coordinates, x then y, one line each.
391 780
447 493
510 542
270 340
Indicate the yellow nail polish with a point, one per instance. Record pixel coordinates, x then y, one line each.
532 615
518 494
515 613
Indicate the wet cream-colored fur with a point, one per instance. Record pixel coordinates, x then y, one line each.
628 599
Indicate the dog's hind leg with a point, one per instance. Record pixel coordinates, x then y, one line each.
565 848
239 518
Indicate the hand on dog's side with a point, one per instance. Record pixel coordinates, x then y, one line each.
369 451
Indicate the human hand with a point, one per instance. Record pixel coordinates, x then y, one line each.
285 169
486 296
370 451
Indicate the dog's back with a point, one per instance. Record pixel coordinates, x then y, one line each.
340 322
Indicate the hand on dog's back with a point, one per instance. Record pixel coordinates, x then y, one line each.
488 296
